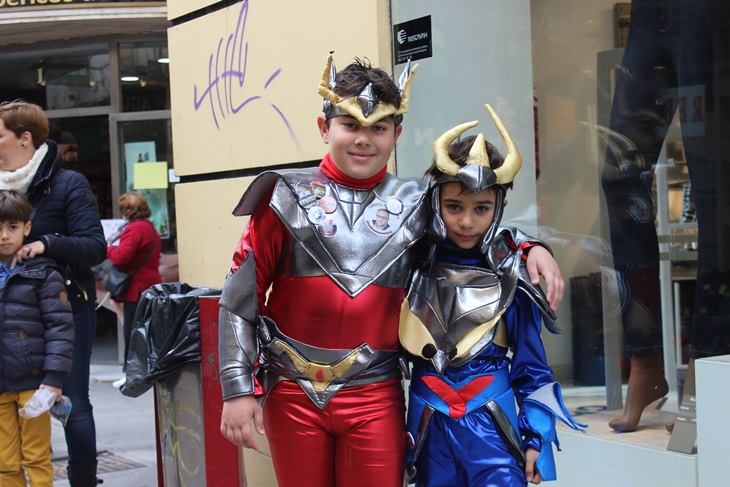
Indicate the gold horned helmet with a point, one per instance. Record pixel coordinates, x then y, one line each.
365 107
475 173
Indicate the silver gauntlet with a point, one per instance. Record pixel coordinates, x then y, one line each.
238 344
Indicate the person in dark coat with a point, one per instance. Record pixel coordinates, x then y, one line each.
140 246
66 228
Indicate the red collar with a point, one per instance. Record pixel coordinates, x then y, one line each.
333 172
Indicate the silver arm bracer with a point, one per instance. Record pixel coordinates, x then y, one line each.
237 321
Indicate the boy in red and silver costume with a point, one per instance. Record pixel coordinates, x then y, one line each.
323 348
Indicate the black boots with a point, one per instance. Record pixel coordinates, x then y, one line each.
82 475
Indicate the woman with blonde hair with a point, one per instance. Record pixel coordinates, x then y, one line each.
139 246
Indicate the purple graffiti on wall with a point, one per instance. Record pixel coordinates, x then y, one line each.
226 93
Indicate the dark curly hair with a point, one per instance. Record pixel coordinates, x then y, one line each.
459 153
356 76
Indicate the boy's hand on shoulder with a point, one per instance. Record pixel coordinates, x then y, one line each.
236 421
541 263
533 476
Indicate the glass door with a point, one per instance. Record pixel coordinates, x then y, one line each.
144 151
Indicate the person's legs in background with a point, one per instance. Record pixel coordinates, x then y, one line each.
130 308
81 430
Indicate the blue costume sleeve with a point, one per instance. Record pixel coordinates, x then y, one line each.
529 370
538 396
541 408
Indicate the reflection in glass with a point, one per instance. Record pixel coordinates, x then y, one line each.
143 142
145 76
57 79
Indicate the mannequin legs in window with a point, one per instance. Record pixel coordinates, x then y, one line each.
669 65
627 183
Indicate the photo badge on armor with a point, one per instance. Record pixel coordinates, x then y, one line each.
381 221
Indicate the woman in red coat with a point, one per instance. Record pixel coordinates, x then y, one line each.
138 236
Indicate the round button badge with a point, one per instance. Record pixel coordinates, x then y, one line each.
328 204
316 214
394 206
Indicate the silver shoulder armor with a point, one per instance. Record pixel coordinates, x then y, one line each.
500 252
451 313
537 295
238 344
254 192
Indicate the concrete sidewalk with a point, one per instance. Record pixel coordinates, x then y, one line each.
125 429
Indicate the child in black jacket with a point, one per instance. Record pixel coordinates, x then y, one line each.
35 350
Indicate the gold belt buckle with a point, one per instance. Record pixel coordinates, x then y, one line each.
320 375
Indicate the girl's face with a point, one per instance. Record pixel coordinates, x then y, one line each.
467 215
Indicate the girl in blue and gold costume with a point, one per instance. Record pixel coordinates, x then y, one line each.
468 305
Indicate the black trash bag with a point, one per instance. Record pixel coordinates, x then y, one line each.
165 335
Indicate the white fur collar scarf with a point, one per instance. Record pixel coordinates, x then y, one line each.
20 179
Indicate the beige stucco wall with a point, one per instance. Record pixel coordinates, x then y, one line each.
244 79
207 231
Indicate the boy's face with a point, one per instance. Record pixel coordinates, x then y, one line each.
11 238
358 151
467 215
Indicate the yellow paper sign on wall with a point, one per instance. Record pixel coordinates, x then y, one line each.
150 175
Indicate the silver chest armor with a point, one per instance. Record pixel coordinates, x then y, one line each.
452 312
334 227
335 233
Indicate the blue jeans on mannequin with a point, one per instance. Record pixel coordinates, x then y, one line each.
670 62
80 430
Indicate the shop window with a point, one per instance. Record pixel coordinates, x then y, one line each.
57 78
145 76
84 145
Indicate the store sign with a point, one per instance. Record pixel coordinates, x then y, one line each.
15 4
412 40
